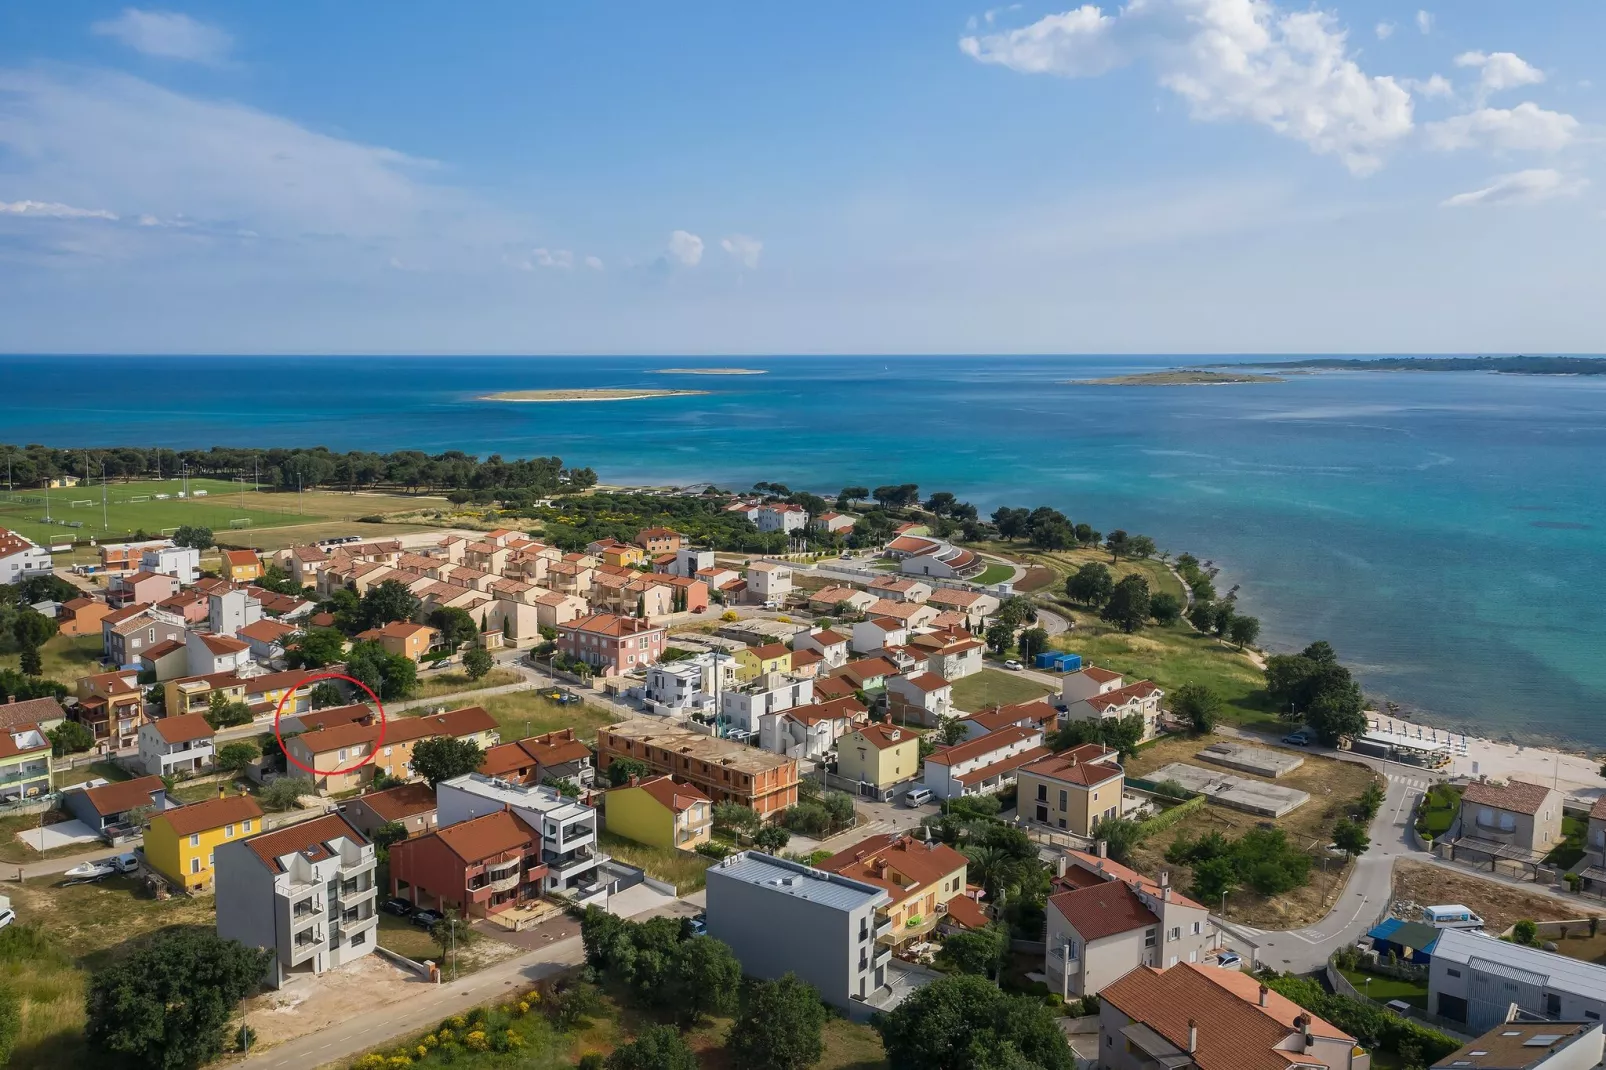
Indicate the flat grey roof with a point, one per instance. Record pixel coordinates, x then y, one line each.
1557 972
802 882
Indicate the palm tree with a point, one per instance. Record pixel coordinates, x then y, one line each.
989 866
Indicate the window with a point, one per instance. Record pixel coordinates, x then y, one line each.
1198 927
1151 937
1175 934
195 865
245 826
341 756
228 832
211 859
1042 793
195 839
1453 973
1065 799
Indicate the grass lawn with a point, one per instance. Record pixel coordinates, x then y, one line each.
1384 989
1575 830
993 573
65 658
450 683
526 713
84 773
219 509
1580 945
1438 811
87 926
405 938
996 686
1064 562
1333 786
686 870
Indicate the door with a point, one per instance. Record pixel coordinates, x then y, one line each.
1042 814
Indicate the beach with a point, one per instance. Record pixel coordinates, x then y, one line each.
597 394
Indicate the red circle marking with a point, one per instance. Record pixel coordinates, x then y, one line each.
279 712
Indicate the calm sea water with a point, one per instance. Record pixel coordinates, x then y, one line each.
1446 532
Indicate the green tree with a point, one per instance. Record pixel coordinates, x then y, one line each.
389 834
1203 616
704 977
1165 608
388 601
779 1026
1091 585
390 676
982 952
456 626
1120 835
237 757
223 712
70 737
728 816
32 628
1117 542
659 1048
620 770
1140 547
286 792
1213 879
771 838
1525 932
196 538
1198 706
1033 641
453 934
951 730
1128 606
1016 610
967 1022
165 1004
30 662
1244 630
1337 713
315 648
1351 838
477 662
1000 634
325 693
445 757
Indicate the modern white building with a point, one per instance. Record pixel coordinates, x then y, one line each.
784 917
689 561
306 891
229 611
1477 979
679 688
21 558
771 693
183 563
782 516
568 828
182 744
769 581
206 654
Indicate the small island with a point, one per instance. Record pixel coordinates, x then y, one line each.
1179 377
710 371
1509 365
587 394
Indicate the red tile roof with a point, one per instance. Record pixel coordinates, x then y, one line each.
31 711
183 728
1068 768
111 799
1098 675
240 557
1103 910
485 837
882 736
769 651
1517 796
309 838
1037 712
826 637
978 748
672 795
401 802
1122 695
10 747
1014 761
221 644
967 912
211 814
876 859
927 681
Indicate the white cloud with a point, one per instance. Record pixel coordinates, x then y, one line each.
1424 21
1521 187
743 248
1436 85
553 258
686 248
52 210
1500 70
1230 60
1525 128
168 35
594 263
1384 30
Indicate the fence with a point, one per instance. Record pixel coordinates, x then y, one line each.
1160 822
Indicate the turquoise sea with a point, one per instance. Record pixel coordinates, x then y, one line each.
1447 532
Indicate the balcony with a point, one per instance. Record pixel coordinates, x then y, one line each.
883 926
303 949
352 870
353 893
566 867
505 884
18 776
883 955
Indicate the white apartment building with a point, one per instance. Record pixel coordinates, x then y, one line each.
769 581
781 516
306 891
183 563
229 611
568 828
983 765
175 745
769 694
21 558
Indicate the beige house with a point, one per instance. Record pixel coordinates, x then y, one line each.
347 755
1098 694
1195 1017
900 589
1072 791
411 641
769 581
922 878
1511 815
1114 920
921 698
909 614
879 756
826 599
976 606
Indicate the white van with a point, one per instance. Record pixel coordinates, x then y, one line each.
917 797
1451 916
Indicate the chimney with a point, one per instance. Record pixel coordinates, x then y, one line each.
1193 1036
1103 849
634 780
1263 991
222 789
1060 864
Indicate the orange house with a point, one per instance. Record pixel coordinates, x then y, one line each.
81 616
401 637
241 566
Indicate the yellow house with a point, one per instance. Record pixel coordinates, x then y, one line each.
179 843
241 566
1072 790
755 661
921 877
879 754
661 813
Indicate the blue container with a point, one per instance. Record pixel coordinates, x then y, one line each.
1070 662
1048 659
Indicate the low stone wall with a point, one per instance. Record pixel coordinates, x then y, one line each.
420 968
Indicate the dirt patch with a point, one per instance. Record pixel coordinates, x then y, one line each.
1037 577
1500 905
312 1003
1333 787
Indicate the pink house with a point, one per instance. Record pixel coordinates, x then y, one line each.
610 643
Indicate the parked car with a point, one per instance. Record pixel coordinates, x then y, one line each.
1301 738
772 604
426 919
7 916
1230 960
127 862
397 906
917 797
699 925
1013 666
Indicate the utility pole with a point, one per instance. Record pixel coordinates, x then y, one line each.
104 523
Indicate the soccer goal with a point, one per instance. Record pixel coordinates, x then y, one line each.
242 522
82 501
139 498
169 531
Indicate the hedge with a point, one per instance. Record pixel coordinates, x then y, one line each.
1362 1019
1161 822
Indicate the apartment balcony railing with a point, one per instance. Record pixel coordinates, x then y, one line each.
351 893
505 884
17 776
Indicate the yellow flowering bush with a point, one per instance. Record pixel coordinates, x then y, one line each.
524 1008
513 1039
457 1021
398 1062
370 1062
476 1041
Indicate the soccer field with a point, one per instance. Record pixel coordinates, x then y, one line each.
75 512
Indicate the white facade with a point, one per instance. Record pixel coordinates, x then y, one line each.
21 558
769 580
202 660
1475 979
769 694
183 563
158 757
872 635
833 652
782 516
945 770
689 561
802 738
568 828
232 610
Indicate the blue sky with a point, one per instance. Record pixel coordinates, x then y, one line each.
923 176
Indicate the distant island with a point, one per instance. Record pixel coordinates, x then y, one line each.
1179 377
1518 365
710 371
587 394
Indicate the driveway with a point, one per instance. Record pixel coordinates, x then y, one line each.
61 834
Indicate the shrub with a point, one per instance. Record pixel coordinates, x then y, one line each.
1525 932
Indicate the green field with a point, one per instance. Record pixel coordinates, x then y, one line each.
525 713
686 870
993 573
76 512
996 687
64 657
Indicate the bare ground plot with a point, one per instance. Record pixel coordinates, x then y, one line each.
1333 786
312 1003
1500 905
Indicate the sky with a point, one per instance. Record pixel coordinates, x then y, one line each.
908 176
